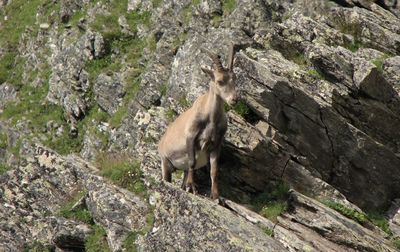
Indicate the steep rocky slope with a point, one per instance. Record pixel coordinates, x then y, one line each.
311 157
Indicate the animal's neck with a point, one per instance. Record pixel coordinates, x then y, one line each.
215 105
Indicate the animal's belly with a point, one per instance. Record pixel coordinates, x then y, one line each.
182 163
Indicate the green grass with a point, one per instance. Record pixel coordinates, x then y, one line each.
186 12
130 242
3 141
228 6
79 213
216 20
353 29
183 102
316 74
122 171
97 241
269 232
3 168
378 62
348 212
241 108
379 220
273 202
170 114
396 243
157 3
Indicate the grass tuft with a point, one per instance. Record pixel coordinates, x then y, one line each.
3 168
79 213
122 171
396 243
228 6
97 241
273 202
348 212
269 232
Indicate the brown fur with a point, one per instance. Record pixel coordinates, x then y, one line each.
194 139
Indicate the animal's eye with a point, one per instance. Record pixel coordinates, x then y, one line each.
221 83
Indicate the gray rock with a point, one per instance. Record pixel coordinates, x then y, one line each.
188 223
109 91
7 94
391 69
69 82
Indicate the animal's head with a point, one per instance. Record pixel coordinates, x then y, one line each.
223 79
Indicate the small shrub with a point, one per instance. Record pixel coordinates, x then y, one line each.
241 108
97 241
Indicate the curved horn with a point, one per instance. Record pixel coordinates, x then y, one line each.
231 54
215 58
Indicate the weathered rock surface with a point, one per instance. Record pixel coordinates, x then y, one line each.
319 83
109 92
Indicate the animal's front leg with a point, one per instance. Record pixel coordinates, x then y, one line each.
214 174
190 186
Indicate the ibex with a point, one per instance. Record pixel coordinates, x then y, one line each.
194 139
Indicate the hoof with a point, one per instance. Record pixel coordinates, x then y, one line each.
220 201
191 188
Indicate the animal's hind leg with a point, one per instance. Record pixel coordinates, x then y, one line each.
166 167
185 174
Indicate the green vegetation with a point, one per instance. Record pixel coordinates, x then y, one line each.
3 168
273 202
157 3
241 108
269 232
186 12
97 241
348 212
183 102
216 20
353 29
316 74
396 243
379 220
378 62
78 213
122 171
37 246
130 242
3 141
228 6
170 114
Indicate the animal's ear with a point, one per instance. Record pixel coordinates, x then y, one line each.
209 72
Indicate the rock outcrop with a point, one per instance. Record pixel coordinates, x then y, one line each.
319 83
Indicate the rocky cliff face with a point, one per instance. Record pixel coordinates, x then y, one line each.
310 161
